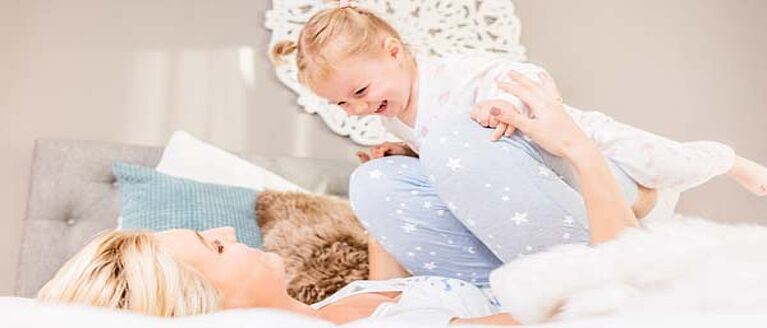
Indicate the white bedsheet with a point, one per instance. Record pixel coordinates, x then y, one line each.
670 268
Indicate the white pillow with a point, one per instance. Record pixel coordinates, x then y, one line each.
188 157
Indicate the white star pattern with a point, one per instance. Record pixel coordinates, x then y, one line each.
389 161
455 132
442 140
519 218
432 178
490 236
451 206
409 227
388 199
376 174
529 248
440 212
432 253
568 220
471 250
404 166
411 254
429 266
414 192
454 164
505 198
466 145
487 185
400 212
403 205
566 236
418 248
544 171
427 205
506 189
471 223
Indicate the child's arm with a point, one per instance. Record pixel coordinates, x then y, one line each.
653 161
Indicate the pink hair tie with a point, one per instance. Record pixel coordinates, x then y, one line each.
346 4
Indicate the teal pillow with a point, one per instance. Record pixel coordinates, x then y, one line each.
154 201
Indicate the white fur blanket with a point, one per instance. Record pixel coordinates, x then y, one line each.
669 267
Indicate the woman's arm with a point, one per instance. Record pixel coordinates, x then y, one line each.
554 130
607 209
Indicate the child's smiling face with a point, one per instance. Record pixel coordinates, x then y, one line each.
371 84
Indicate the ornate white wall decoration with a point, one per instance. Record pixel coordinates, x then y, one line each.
434 27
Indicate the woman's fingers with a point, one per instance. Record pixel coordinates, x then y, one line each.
549 87
532 99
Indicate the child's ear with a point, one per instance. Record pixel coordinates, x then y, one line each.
393 47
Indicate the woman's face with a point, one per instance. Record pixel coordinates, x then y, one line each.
244 277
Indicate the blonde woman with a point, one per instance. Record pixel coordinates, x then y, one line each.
183 272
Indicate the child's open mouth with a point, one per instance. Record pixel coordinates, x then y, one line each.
382 107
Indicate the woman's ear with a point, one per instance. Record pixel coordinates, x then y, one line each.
393 47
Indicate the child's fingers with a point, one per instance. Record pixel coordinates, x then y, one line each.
509 131
499 131
511 117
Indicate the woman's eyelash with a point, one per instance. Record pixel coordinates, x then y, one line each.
219 246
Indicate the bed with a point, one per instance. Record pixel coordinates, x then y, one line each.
73 196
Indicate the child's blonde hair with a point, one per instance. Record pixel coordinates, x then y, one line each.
131 271
332 35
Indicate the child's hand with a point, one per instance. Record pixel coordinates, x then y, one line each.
481 114
750 175
386 149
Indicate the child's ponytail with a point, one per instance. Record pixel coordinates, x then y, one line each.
282 49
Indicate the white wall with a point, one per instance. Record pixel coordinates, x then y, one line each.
101 70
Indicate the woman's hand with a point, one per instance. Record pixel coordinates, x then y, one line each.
386 149
553 129
548 124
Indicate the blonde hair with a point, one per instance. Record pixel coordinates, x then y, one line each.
332 35
131 271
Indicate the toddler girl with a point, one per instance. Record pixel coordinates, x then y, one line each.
451 211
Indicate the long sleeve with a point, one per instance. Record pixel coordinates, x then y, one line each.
651 160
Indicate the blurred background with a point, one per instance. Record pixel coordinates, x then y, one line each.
135 71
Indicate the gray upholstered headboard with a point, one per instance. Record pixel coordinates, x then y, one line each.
73 196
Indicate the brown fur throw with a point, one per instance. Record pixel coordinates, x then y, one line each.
323 245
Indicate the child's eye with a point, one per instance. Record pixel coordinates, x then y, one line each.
219 246
341 103
360 91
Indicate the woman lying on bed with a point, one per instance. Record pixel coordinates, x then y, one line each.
183 272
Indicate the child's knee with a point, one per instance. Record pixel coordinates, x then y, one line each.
372 183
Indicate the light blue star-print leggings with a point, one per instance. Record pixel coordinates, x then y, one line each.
469 205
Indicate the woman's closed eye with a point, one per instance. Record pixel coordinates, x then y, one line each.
216 246
219 246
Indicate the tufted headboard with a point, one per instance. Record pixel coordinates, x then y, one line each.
73 196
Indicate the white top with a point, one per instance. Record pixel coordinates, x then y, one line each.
423 300
453 84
